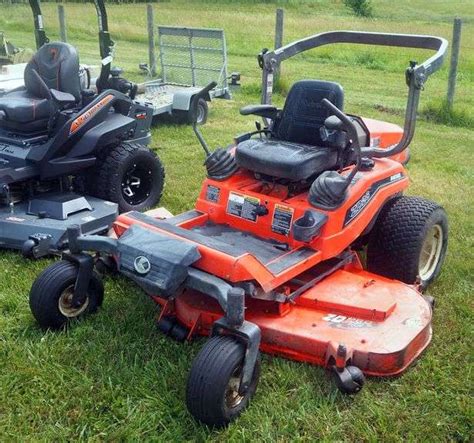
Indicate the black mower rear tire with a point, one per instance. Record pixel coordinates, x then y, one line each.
209 396
116 168
48 296
398 240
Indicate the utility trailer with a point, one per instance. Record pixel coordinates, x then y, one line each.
190 58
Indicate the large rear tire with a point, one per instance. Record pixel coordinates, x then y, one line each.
212 395
52 292
130 175
409 241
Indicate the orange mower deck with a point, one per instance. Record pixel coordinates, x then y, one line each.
384 324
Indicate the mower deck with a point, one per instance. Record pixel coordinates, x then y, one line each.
384 324
60 211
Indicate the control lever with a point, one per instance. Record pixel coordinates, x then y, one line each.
219 163
351 130
193 111
329 189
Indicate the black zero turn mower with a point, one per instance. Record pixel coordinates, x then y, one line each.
69 154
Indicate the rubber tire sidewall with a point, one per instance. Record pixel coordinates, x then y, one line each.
205 109
403 264
48 287
117 172
209 377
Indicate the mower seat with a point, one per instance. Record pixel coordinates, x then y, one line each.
29 109
295 150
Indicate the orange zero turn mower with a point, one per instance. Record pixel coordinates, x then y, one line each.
301 244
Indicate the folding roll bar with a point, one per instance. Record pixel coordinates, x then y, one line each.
416 74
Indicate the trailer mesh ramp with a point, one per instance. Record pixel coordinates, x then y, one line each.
193 57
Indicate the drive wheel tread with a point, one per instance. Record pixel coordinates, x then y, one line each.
107 185
395 243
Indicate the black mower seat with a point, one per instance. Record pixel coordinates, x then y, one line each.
21 107
30 108
295 150
292 161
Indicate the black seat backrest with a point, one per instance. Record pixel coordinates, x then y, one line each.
303 114
58 65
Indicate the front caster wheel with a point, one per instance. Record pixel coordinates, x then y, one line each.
166 324
350 380
212 392
51 296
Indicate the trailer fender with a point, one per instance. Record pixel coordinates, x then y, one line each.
182 99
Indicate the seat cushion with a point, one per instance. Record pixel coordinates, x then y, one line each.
22 107
292 161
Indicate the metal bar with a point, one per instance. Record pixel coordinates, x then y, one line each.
62 23
368 38
197 68
345 260
106 45
197 32
453 68
162 65
278 37
191 55
151 39
416 74
40 34
200 48
224 83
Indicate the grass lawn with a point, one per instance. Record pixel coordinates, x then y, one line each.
113 377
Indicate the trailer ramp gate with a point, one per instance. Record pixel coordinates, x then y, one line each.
194 57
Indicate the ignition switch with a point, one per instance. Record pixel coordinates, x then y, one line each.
261 210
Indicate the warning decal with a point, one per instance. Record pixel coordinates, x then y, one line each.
243 206
212 193
282 217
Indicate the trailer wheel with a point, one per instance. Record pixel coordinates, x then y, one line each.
52 292
202 113
212 392
409 241
130 175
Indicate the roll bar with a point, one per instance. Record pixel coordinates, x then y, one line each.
40 34
416 74
106 44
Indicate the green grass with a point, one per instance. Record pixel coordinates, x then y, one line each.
113 377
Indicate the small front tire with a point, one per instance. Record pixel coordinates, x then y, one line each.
212 392
52 292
